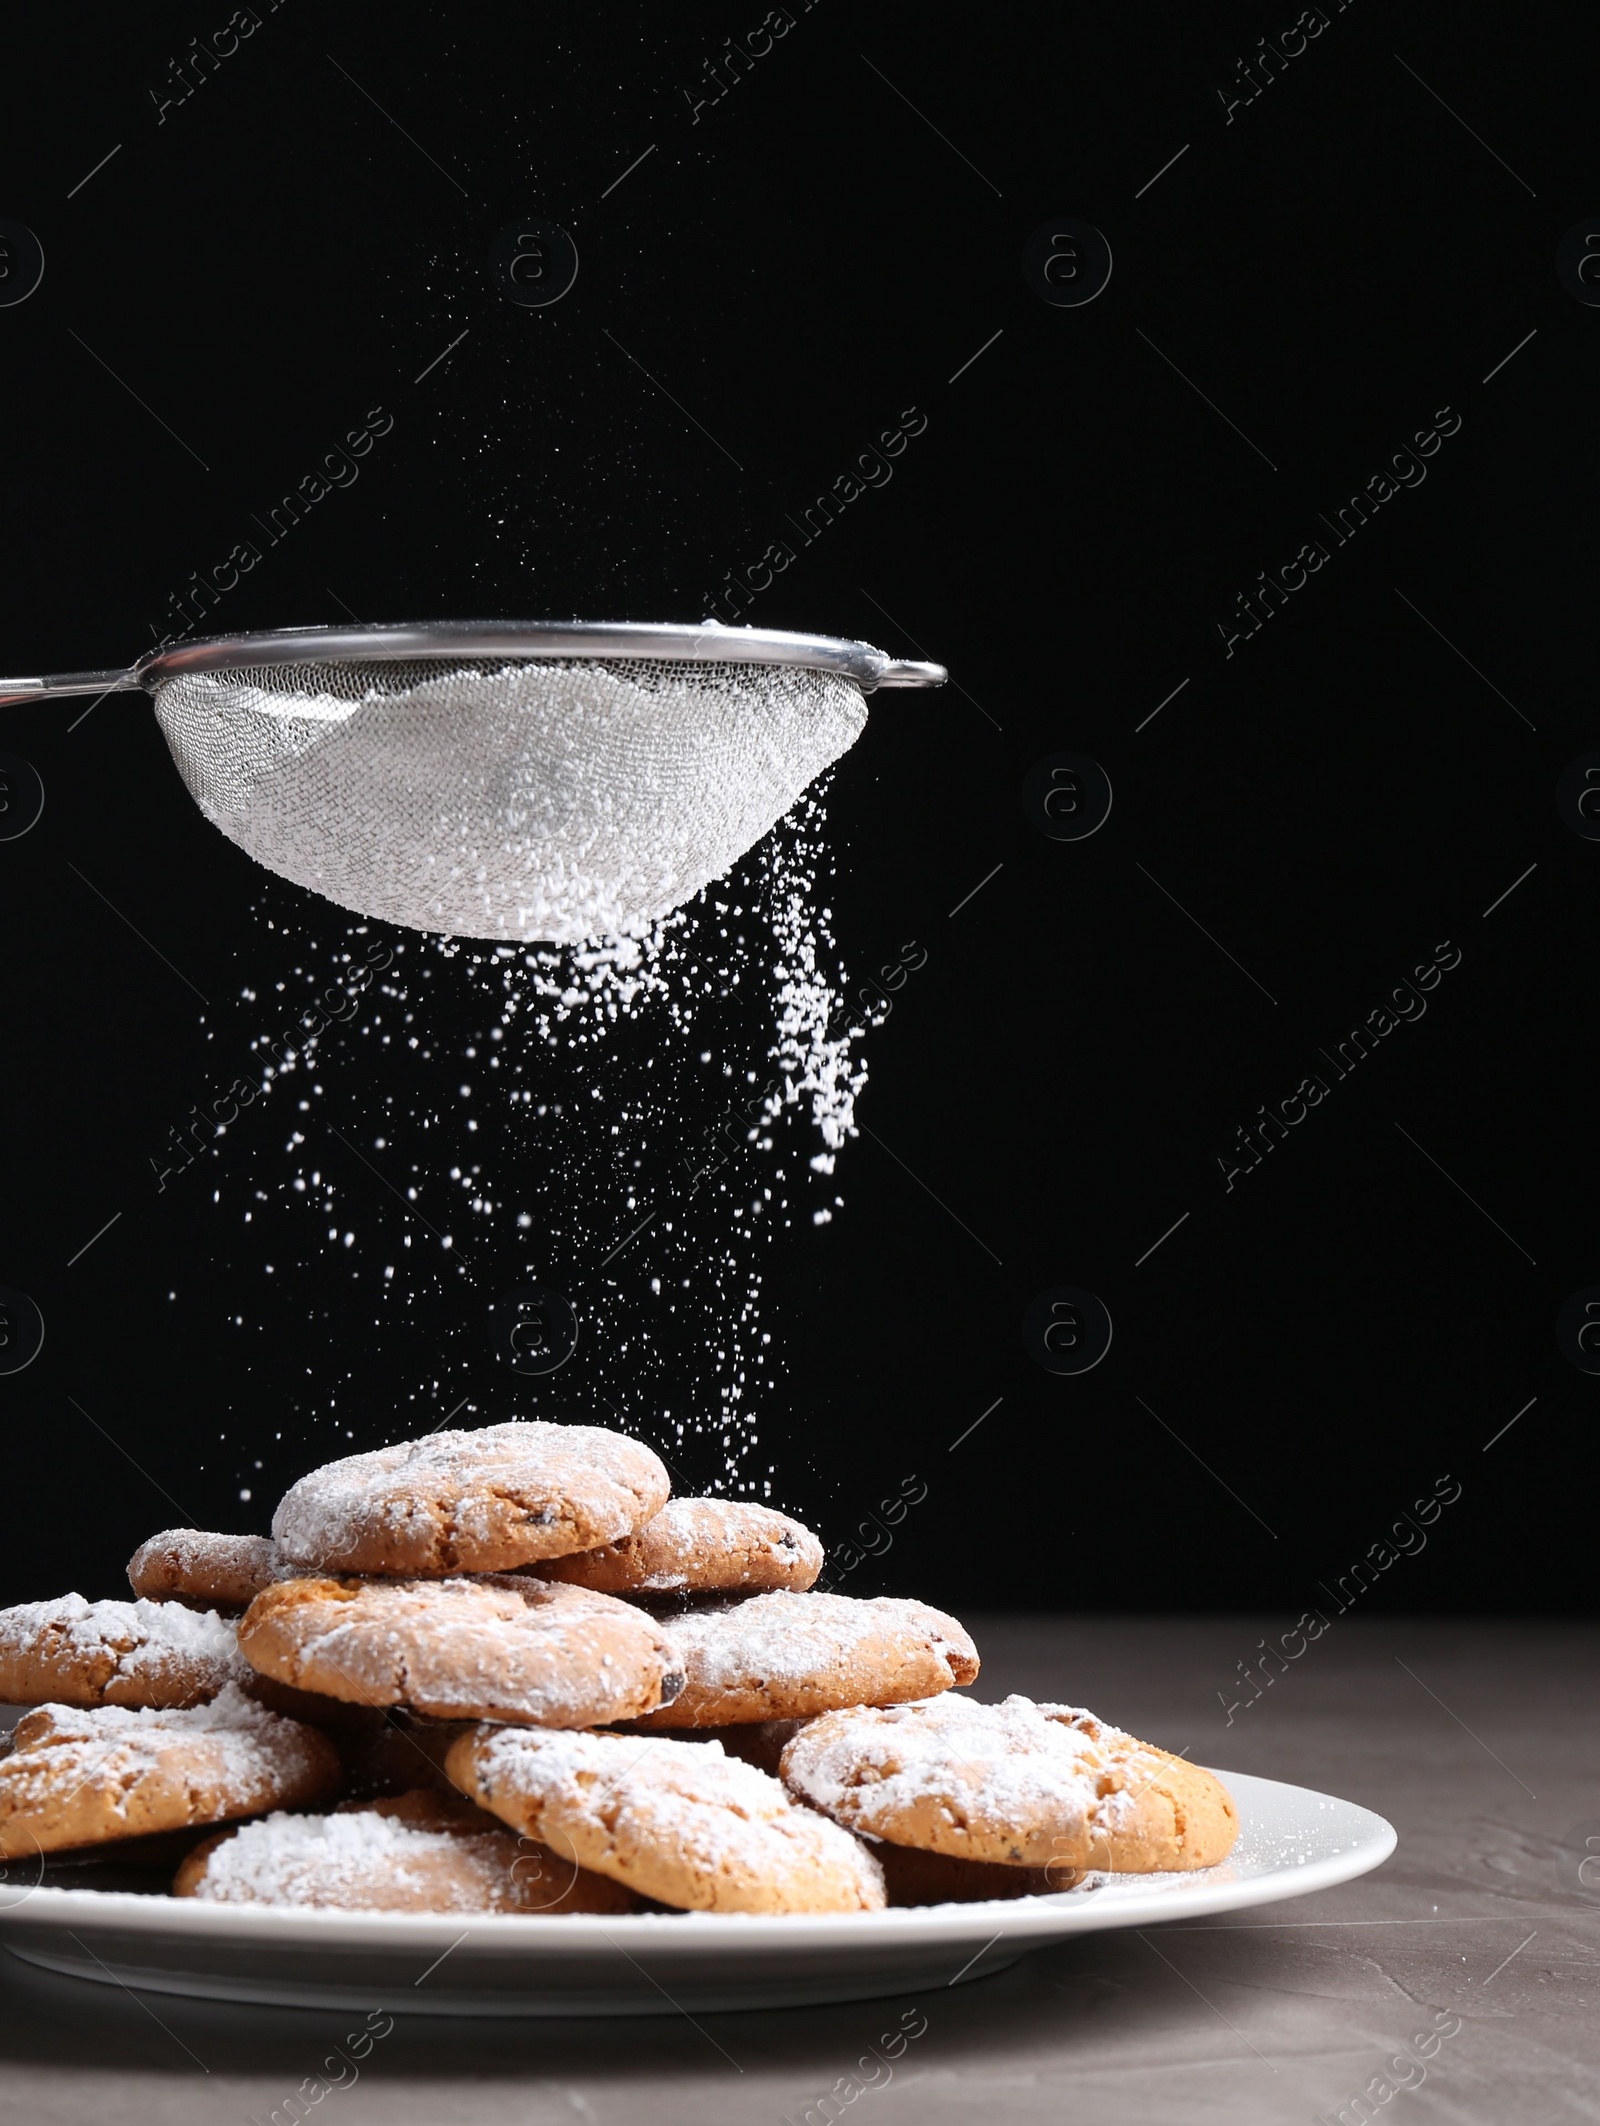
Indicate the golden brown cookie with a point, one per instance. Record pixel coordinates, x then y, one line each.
484 1501
784 1656
73 1652
695 1544
208 1571
79 1777
676 1821
415 1852
499 1648
1024 1784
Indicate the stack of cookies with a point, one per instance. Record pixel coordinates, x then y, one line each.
505 1671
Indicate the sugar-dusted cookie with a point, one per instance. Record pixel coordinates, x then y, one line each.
209 1571
73 1652
1030 1785
695 1544
484 1501
677 1821
783 1656
416 1852
500 1648
77 1777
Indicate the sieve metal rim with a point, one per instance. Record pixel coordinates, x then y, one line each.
645 640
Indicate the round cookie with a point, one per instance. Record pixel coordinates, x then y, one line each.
210 1571
73 1652
502 1648
414 1852
1024 1784
699 1544
77 1777
484 1501
676 1821
786 1656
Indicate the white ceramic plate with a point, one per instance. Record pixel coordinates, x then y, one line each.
1293 1841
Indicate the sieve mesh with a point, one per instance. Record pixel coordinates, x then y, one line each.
558 799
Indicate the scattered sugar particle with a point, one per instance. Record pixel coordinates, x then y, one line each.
716 1047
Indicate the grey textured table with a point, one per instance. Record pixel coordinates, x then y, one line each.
1481 1743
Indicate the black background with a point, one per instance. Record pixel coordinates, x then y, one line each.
1307 1353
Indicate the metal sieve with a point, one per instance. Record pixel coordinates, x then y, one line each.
516 780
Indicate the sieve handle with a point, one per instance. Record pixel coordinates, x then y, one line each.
14 692
904 672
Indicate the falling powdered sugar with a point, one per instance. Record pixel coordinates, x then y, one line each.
815 1049
629 1124
579 993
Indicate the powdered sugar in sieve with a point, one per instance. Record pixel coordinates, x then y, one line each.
558 800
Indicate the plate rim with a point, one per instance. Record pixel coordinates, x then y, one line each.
1372 1840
